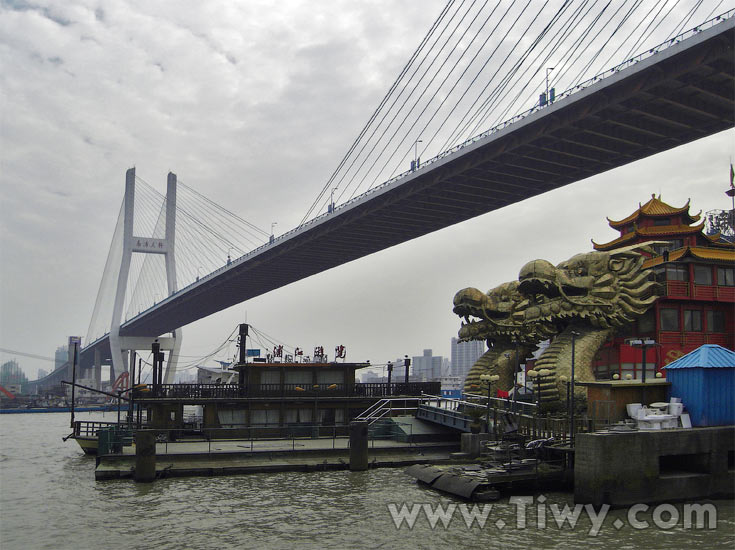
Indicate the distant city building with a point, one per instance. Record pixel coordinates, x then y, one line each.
372 378
42 373
186 377
11 374
428 367
464 355
61 356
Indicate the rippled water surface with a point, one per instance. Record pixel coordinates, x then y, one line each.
49 499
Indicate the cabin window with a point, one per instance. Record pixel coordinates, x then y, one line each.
662 221
331 376
726 276
702 274
300 377
715 321
270 376
669 318
692 320
265 417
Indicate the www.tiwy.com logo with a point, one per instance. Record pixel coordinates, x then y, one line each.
544 515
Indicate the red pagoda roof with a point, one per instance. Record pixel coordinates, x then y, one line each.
655 208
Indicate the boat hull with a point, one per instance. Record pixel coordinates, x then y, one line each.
88 444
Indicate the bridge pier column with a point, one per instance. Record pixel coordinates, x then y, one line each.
97 367
140 244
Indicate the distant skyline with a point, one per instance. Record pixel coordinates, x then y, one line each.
254 105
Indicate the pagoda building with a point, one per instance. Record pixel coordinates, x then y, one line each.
697 276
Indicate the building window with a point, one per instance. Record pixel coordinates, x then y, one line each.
726 276
672 272
692 320
715 321
647 323
669 319
702 275
662 221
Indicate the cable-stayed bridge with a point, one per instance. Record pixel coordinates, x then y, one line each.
672 94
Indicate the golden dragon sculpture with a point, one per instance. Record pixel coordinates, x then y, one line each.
586 297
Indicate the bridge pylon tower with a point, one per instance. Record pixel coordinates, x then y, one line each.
121 347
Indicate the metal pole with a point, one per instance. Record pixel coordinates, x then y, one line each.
571 399
515 378
131 405
538 384
643 375
242 374
155 348
73 379
487 412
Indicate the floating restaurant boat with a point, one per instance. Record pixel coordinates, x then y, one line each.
271 397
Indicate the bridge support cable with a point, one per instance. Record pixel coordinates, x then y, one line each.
515 76
497 102
444 107
392 89
428 103
102 311
432 70
426 62
472 116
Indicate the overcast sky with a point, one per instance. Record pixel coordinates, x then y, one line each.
253 104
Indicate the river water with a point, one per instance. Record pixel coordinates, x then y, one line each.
49 499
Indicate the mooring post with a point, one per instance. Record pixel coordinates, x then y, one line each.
145 456
358 446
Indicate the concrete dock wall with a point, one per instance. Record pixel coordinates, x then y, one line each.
621 469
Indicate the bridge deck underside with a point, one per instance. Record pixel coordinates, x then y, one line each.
687 95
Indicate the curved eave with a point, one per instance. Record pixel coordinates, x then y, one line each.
656 208
651 233
698 252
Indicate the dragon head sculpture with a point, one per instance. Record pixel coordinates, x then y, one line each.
600 289
497 315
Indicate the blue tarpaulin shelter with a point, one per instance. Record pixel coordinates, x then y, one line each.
705 381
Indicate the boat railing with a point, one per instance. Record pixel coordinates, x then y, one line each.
228 391
90 428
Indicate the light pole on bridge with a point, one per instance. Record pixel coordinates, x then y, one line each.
415 163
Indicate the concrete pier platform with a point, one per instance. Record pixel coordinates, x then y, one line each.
233 457
621 469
